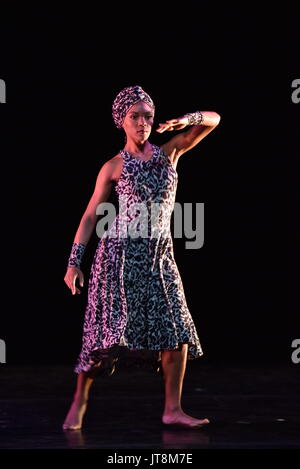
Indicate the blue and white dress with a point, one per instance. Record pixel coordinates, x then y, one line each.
136 301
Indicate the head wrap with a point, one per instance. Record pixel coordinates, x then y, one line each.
127 98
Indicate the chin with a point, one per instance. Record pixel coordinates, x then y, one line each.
143 139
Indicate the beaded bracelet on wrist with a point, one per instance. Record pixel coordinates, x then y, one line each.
76 255
195 118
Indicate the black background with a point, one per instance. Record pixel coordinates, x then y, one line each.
62 70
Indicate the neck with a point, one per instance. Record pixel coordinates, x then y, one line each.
136 147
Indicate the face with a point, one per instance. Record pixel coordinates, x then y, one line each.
138 122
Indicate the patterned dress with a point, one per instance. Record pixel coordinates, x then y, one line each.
136 301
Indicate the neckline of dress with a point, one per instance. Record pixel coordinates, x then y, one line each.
154 149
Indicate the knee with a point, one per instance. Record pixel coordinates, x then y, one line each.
94 369
170 356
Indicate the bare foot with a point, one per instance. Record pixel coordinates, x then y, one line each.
75 415
180 419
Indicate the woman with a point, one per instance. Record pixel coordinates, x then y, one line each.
135 296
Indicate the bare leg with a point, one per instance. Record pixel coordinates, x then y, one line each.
174 366
78 407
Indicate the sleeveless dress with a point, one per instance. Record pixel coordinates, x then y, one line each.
136 302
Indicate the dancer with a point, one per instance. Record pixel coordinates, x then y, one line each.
136 299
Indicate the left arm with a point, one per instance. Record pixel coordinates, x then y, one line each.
185 141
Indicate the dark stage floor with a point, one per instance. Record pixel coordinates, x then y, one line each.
248 407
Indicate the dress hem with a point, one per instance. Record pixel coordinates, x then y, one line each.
108 355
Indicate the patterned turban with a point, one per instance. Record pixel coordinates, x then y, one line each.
127 98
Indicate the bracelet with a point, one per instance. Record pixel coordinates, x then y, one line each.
76 255
195 118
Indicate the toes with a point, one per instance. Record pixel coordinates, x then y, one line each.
70 427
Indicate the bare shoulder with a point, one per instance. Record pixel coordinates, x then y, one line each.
115 159
113 167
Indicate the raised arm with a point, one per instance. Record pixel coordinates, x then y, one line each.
181 143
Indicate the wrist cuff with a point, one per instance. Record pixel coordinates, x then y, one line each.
76 255
195 118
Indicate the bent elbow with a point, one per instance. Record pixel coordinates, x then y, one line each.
217 118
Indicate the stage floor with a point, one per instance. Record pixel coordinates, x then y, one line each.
251 407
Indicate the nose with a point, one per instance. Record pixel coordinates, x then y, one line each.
142 120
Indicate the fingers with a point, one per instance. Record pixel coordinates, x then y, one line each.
70 280
81 279
164 127
73 286
74 289
168 125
